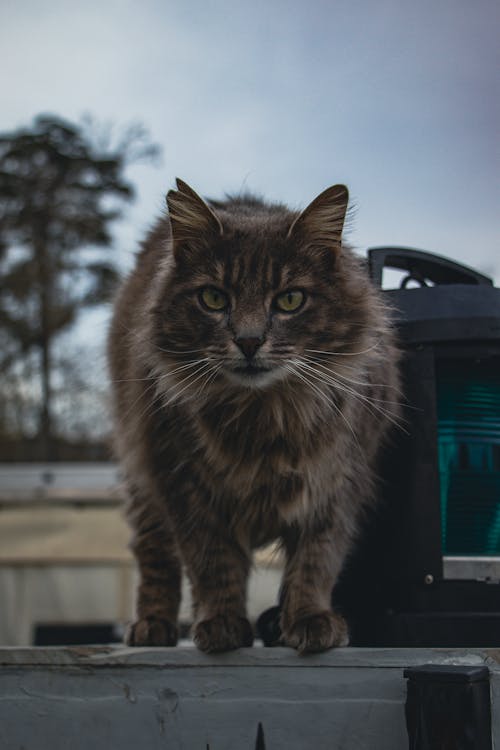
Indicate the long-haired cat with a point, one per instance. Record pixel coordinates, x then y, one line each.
253 369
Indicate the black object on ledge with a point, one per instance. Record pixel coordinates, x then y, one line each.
427 572
448 707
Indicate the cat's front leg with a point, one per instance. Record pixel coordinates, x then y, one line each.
308 623
218 568
159 591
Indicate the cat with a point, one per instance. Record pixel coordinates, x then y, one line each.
254 369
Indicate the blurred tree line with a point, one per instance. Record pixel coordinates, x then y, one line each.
62 186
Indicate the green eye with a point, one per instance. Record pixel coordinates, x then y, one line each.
213 298
290 301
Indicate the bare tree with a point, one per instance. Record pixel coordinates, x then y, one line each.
61 187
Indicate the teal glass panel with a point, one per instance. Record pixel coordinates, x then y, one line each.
468 411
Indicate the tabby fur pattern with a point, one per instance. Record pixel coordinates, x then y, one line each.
242 425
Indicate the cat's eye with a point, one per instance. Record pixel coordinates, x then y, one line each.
290 301
213 298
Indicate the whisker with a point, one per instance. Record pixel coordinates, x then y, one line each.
325 398
161 394
369 402
133 380
178 351
184 366
162 405
337 374
332 374
334 384
344 354
189 383
215 369
328 369
141 394
400 403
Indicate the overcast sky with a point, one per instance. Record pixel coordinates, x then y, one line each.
397 99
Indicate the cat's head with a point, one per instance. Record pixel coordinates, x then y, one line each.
255 292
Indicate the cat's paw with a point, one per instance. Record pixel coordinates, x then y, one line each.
223 633
151 631
317 632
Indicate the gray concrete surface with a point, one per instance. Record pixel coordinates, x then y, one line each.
101 698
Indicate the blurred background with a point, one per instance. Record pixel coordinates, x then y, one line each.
103 105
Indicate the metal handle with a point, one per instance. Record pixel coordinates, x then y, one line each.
422 267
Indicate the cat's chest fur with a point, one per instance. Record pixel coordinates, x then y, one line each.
266 453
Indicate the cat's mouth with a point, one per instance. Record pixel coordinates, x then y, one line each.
253 374
250 369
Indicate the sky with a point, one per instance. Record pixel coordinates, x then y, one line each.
399 100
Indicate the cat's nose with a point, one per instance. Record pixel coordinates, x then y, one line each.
249 345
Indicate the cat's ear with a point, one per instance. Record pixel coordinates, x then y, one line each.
321 223
190 217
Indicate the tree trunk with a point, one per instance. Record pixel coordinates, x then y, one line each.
45 412
45 293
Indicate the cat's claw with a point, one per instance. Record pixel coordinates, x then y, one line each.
152 631
223 633
317 632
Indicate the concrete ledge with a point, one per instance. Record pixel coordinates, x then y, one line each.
101 697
